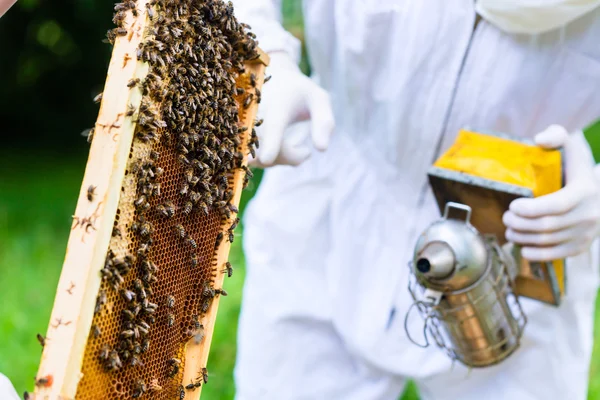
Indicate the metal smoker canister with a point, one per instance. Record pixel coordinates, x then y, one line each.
464 291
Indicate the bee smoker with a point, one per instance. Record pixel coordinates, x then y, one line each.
462 283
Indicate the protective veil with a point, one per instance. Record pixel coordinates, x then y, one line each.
327 243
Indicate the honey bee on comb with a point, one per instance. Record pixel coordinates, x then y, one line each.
179 123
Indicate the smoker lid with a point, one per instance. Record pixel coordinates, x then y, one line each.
450 254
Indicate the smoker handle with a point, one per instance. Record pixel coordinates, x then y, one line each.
458 206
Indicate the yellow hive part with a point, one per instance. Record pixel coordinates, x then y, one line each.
504 160
559 268
507 161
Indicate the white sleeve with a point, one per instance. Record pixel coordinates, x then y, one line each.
264 16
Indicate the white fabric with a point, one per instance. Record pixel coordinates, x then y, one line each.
566 222
7 391
327 243
533 16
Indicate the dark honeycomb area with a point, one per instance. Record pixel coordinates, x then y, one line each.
176 277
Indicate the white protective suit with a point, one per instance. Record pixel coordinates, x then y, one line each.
327 243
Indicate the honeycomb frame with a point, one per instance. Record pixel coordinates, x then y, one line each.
67 368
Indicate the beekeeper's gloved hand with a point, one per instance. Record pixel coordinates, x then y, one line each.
563 223
291 97
7 391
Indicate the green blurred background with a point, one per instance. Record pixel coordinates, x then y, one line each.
52 63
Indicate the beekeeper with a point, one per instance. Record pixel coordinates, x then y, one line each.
329 233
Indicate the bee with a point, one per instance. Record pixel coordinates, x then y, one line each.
174 362
199 335
140 201
181 392
116 232
252 79
221 291
240 91
96 332
206 305
110 36
258 122
248 100
183 159
192 242
228 269
162 210
89 134
130 110
104 352
100 301
154 154
170 320
154 386
136 361
98 98
149 266
127 295
145 229
151 12
45 381
219 239
184 189
41 339
180 231
133 82
230 236
187 209
204 373
170 301
145 345
143 327
258 95
27 396
195 260
129 333
142 251
121 31
139 389
207 291
267 78
233 208
91 192
150 308
193 385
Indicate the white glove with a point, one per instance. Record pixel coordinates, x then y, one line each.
291 97
7 391
564 223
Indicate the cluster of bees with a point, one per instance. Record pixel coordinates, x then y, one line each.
195 50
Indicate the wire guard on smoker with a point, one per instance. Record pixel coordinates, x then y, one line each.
462 285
